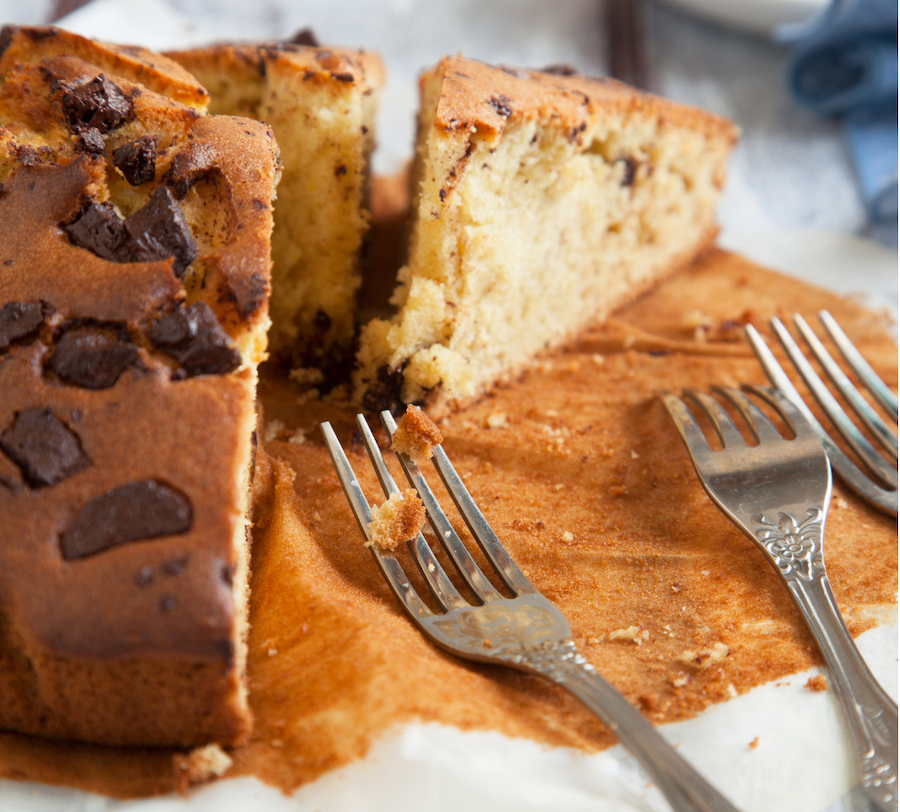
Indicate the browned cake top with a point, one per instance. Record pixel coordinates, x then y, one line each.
30 44
318 63
477 97
134 275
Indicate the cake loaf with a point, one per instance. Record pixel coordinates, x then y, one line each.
321 104
542 200
134 285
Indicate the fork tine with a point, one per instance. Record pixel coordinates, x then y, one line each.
390 567
686 424
858 403
855 479
475 579
481 530
876 464
445 593
785 408
867 375
722 423
759 424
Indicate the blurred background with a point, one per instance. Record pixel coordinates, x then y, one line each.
812 83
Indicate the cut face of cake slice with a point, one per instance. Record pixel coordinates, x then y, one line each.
134 284
542 201
321 104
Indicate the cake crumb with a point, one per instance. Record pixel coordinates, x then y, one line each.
754 744
567 536
816 683
598 359
496 420
416 435
633 633
201 765
635 455
676 588
272 430
298 437
680 680
731 691
704 659
306 376
840 502
400 518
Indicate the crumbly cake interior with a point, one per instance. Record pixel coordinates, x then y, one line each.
137 231
577 468
533 219
321 104
399 518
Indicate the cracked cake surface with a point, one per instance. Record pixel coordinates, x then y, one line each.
134 285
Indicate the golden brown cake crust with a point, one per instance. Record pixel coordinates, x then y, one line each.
476 97
155 72
134 276
321 63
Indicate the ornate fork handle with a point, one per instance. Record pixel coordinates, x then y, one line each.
795 549
684 788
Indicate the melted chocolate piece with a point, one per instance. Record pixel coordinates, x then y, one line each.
501 104
137 160
44 448
631 166
133 512
20 320
305 36
101 231
194 337
90 141
160 230
384 392
6 37
92 359
96 103
154 232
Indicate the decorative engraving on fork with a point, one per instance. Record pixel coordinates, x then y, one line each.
521 635
877 773
796 547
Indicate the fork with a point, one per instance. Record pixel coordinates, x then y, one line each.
879 486
525 631
777 492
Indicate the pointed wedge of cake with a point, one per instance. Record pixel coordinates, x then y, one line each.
542 201
321 104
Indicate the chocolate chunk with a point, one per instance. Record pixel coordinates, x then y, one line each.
156 231
90 141
137 160
305 36
97 103
134 512
20 320
560 69
384 392
188 168
194 337
92 358
159 231
631 166
101 231
43 447
501 104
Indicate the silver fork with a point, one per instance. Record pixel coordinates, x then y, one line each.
777 492
878 487
525 631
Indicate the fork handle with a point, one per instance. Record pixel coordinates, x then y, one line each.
870 712
684 788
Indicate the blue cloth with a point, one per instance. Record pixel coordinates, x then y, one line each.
845 63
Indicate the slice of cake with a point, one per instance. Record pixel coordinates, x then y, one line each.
321 104
542 201
134 283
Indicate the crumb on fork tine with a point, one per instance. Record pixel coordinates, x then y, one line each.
400 518
416 435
